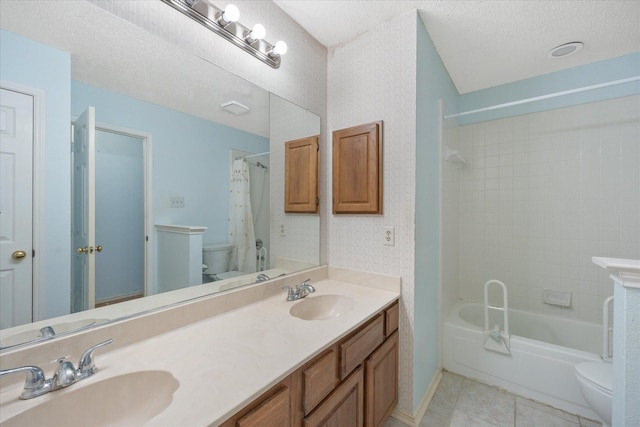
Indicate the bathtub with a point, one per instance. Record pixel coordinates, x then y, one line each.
544 351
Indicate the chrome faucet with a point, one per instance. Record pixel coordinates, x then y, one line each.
262 277
36 384
300 291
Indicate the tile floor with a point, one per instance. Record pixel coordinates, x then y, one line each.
462 402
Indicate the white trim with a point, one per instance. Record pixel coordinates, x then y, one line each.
38 202
542 97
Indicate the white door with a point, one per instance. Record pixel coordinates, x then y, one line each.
16 229
83 221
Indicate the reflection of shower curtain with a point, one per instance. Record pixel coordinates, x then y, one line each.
241 233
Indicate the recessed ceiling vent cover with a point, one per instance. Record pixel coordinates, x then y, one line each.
565 50
235 107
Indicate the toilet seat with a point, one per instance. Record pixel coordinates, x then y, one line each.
229 274
597 374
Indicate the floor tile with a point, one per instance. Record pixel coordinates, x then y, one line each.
463 419
487 403
529 416
520 401
585 422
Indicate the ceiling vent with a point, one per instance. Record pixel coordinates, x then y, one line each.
565 50
235 107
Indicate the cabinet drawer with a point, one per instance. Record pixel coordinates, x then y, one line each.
354 350
319 378
391 319
272 412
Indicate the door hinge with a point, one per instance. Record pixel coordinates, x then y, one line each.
33 253
146 238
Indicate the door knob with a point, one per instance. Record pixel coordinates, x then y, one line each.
18 255
84 250
99 248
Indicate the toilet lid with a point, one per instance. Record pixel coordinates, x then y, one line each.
229 274
598 373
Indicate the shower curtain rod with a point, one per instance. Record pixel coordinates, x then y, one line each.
548 96
253 155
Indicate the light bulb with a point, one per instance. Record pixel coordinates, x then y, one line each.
231 13
280 48
258 32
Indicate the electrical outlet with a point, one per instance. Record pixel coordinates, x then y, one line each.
389 236
177 202
282 232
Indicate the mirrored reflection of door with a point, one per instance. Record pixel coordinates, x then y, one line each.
108 215
83 212
120 216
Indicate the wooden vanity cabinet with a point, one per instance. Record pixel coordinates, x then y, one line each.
354 383
278 407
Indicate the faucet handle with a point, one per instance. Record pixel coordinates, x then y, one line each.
86 367
34 385
291 292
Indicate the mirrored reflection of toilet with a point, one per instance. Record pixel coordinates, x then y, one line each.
596 379
216 258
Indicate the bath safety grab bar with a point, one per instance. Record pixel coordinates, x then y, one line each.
494 339
504 308
261 259
607 330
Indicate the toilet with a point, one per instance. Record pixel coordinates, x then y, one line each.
216 260
596 379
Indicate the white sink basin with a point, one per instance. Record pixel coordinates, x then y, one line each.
124 400
322 307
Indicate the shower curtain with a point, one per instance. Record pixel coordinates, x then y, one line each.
241 233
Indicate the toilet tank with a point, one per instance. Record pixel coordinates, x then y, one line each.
216 258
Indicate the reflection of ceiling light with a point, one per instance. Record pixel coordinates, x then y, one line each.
565 50
235 107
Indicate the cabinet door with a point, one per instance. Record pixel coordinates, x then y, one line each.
301 193
344 407
357 170
381 382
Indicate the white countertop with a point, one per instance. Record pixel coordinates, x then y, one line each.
225 362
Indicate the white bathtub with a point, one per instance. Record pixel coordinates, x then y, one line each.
544 351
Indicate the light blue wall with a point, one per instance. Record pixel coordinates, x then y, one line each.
599 72
36 65
190 156
119 215
433 83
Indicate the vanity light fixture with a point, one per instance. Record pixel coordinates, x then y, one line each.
225 23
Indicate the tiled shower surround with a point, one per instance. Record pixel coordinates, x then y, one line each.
541 195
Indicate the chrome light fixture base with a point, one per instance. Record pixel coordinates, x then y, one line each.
203 12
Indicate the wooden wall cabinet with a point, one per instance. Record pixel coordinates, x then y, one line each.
357 169
354 383
301 189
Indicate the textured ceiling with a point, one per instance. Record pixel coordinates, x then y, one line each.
109 52
488 43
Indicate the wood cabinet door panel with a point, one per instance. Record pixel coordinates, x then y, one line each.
381 382
344 407
357 169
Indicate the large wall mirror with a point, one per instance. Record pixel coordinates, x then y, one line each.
124 216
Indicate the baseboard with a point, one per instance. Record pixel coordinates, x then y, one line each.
414 420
